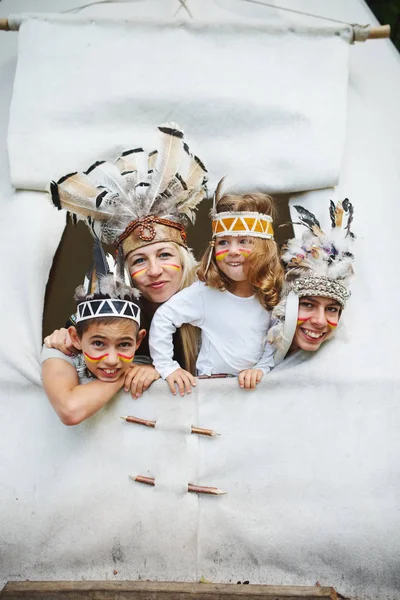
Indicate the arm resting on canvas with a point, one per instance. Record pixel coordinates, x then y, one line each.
72 401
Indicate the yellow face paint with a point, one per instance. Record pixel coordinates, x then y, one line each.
171 266
125 358
133 275
221 255
331 325
244 252
300 321
94 359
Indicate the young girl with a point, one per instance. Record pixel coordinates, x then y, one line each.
240 282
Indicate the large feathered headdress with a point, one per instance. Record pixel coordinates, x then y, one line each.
141 198
317 264
103 294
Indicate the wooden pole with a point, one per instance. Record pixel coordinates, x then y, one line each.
375 33
149 590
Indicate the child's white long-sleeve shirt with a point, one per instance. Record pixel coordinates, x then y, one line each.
234 331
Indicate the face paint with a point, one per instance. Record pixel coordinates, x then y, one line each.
244 252
221 255
300 321
331 325
171 266
138 272
125 358
94 360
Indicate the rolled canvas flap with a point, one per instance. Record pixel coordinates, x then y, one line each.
263 104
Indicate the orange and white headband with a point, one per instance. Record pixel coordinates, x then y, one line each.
110 307
252 224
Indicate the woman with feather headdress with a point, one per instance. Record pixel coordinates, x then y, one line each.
141 204
318 267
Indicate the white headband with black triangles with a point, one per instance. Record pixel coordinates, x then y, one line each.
109 307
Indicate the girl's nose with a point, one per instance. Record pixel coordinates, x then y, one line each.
233 247
319 318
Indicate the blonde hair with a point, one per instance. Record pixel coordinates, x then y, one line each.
265 271
190 335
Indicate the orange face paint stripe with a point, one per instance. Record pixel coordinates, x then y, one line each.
221 254
331 324
138 272
244 251
125 358
300 321
93 359
171 266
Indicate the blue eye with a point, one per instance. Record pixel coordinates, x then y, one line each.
222 243
138 261
165 255
97 343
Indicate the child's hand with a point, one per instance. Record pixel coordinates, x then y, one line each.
249 378
139 378
60 340
183 379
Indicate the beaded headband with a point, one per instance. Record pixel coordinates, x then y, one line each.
95 309
150 230
318 285
252 224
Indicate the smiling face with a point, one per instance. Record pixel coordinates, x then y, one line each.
317 319
109 348
231 253
156 271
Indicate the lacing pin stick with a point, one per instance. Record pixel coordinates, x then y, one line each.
194 489
152 424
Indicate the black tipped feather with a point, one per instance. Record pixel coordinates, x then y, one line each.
55 196
100 197
93 166
132 151
332 210
196 158
181 181
169 131
64 177
307 218
99 258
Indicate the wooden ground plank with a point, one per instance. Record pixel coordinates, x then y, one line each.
149 590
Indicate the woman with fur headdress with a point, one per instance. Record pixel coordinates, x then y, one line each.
318 268
141 204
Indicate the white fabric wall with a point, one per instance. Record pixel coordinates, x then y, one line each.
310 460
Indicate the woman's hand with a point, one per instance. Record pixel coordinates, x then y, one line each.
249 378
139 378
183 379
60 340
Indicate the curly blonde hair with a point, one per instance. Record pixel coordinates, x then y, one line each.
265 271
